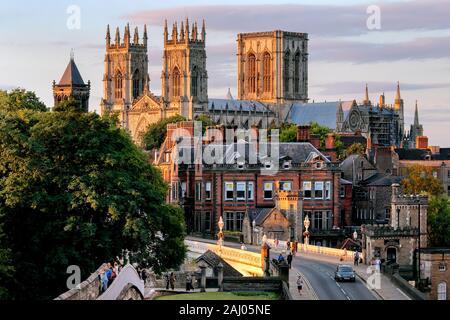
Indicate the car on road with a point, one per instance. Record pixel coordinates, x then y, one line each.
344 273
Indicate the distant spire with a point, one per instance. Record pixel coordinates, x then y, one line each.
175 32
136 36
366 96
108 36
229 96
166 31
203 30
187 29
195 34
182 31
126 37
398 100
416 116
397 94
117 40
145 35
72 58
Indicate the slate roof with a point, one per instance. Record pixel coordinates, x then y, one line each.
259 214
343 182
297 152
420 154
213 260
237 105
324 113
380 180
348 140
71 75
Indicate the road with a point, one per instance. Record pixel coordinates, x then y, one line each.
320 273
321 276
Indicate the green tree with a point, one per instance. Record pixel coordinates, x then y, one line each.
154 135
19 99
288 132
420 180
75 190
439 222
355 148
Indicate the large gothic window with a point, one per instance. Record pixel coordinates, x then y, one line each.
252 73
194 82
136 84
267 70
118 86
176 82
287 58
297 73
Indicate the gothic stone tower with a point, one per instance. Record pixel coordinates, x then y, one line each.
184 80
273 66
126 72
399 109
72 85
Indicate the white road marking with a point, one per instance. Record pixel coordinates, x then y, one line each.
403 293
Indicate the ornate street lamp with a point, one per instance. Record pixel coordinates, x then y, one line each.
306 234
355 235
220 234
264 240
253 231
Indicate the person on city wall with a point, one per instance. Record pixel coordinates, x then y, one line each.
356 258
289 259
188 282
167 278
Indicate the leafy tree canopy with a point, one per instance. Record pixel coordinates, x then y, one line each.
18 99
75 190
439 222
355 148
155 134
420 180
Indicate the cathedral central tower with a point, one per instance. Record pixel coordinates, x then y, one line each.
184 80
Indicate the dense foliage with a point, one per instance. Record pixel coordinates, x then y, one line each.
288 133
355 148
75 190
439 222
154 135
420 180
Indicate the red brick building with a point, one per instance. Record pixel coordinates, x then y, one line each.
235 185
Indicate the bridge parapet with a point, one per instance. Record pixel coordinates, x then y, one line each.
127 285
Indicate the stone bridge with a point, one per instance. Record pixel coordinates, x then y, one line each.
127 286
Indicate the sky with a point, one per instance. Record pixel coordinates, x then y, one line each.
349 46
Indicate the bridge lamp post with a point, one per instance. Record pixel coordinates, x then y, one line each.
220 234
253 231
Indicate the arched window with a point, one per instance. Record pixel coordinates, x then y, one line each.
267 71
252 73
442 291
176 82
287 66
194 82
136 84
297 73
118 86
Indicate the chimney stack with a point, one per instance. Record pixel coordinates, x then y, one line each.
303 133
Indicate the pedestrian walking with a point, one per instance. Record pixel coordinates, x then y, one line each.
167 278
299 284
289 259
188 282
295 246
280 258
144 275
172 281
356 258
288 245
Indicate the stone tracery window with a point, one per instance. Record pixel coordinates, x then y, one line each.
118 86
286 71
176 82
267 70
297 73
194 81
136 84
252 73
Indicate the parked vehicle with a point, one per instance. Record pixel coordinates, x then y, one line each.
344 273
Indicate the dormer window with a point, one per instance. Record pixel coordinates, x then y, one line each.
241 165
318 165
268 165
286 164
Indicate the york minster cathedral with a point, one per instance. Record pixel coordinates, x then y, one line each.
272 86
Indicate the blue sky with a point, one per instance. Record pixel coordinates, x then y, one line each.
412 46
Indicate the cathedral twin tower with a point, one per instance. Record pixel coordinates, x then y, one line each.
183 79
